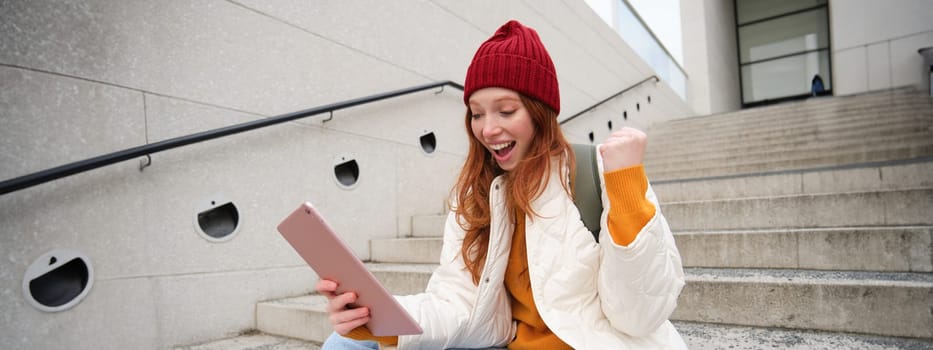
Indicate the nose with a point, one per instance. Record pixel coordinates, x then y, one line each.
491 127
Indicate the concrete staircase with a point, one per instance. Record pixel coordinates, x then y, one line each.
826 131
806 225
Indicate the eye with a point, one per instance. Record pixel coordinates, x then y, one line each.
476 116
508 112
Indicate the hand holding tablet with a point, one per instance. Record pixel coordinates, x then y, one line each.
332 260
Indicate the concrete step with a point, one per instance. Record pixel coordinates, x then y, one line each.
707 336
801 110
793 122
428 225
876 208
791 125
895 249
832 153
784 153
736 123
403 279
887 304
303 317
892 249
696 335
254 341
915 132
688 169
910 174
418 250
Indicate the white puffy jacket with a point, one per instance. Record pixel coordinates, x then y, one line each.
591 295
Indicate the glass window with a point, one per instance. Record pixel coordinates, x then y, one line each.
640 39
753 10
782 46
789 76
796 33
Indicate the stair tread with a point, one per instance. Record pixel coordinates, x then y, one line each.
906 279
697 336
736 148
418 238
701 336
257 341
841 168
401 267
814 229
800 195
310 302
916 279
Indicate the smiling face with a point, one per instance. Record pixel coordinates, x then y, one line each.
502 124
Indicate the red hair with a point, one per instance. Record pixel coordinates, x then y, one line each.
524 183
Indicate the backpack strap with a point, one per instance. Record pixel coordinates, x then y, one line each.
587 192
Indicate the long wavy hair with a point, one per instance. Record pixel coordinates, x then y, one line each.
524 183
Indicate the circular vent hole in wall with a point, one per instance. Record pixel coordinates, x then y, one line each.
217 219
347 172
58 280
428 143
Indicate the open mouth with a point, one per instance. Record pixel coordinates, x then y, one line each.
503 149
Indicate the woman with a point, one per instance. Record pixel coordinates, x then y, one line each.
518 267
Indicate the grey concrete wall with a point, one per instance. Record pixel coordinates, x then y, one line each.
81 79
710 55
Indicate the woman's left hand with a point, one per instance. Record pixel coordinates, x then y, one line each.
623 148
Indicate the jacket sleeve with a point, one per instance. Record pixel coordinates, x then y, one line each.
444 309
639 283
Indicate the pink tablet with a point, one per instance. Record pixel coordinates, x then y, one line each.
327 254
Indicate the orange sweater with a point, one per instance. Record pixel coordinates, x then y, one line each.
629 211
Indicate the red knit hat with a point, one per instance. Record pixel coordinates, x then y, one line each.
514 58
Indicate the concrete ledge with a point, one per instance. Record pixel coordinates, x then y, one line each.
805 181
802 160
428 225
803 111
403 279
882 208
853 151
706 336
860 302
888 304
895 249
302 317
813 124
407 250
884 304
737 146
253 342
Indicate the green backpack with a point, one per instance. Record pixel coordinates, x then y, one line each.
588 194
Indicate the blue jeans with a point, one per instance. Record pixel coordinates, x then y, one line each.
337 342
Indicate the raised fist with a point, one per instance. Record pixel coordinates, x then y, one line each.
623 148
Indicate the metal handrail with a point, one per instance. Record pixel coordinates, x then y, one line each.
69 169
655 77
58 172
